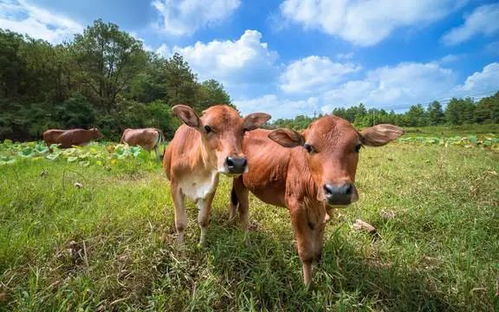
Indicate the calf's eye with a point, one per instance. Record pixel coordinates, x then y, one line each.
309 148
208 129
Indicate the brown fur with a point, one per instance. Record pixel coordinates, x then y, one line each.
286 175
68 138
50 136
195 157
147 138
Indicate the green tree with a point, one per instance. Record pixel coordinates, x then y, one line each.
435 113
107 59
47 70
181 83
460 111
340 112
487 110
149 85
416 116
75 112
212 92
12 67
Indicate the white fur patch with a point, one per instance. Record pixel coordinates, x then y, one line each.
198 187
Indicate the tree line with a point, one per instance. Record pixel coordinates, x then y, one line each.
457 112
102 78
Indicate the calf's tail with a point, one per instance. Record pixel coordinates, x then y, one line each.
161 139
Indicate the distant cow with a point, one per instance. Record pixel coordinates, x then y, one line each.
147 138
308 173
201 149
50 136
68 138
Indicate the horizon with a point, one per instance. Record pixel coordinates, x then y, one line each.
290 58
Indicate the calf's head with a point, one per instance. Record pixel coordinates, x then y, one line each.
332 146
222 131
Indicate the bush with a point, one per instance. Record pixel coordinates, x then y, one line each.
75 112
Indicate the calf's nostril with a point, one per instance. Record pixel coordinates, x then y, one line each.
339 194
333 190
327 190
236 164
348 189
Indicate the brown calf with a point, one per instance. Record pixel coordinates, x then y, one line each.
201 149
308 173
147 138
68 138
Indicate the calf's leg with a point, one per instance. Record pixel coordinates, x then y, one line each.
240 202
308 234
180 214
204 207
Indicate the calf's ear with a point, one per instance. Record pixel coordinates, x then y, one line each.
255 120
380 134
287 137
187 115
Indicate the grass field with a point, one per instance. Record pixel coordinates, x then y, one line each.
109 244
448 131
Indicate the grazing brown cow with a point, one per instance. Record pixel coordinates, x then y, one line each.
50 136
68 138
308 173
201 149
147 138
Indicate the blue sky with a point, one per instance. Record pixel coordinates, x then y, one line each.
293 57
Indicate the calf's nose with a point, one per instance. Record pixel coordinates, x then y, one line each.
338 194
236 164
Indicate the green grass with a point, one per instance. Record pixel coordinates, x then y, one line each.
449 131
110 244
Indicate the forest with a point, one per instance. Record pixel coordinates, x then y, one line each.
102 78
105 78
457 112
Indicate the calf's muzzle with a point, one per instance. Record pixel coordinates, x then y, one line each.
339 194
236 165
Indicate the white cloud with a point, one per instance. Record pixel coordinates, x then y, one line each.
481 83
164 51
344 56
279 107
235 63
365 23
483 20
450 58
181 17
390 87
23 17
394 87
313 74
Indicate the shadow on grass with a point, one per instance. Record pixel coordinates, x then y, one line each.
260 271
264 273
